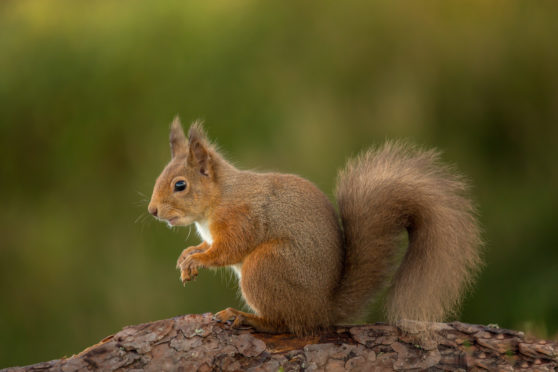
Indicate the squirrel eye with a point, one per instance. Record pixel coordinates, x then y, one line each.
180 186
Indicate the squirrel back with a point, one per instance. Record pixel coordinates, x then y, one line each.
299 269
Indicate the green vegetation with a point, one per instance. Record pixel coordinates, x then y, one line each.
88 90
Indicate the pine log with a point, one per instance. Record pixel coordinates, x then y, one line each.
198 343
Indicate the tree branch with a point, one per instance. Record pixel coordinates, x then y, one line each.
197 343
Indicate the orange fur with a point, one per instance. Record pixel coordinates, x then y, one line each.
299 269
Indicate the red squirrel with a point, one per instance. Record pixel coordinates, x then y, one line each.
301 265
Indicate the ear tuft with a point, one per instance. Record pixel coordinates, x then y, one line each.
178 143
199 154
196 132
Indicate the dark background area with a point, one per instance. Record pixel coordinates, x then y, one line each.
88 90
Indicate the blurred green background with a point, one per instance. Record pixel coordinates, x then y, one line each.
88 90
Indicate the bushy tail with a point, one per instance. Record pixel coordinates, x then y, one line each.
384 191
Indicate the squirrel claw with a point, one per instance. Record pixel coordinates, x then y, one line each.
187 275
184 278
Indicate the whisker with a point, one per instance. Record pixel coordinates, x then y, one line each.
189 232
141 217
144 200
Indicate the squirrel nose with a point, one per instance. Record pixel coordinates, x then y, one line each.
152 210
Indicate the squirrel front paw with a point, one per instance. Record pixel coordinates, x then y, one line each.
187 252
188 265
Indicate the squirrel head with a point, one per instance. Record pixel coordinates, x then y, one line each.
187 186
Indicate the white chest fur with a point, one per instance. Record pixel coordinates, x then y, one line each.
205 234
203 231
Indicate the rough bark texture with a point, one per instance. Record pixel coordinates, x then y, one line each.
197 343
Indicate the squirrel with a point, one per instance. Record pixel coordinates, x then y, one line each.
301 265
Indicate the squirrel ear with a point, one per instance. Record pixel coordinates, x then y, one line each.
199 155
177 139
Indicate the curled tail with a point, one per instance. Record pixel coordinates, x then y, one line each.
381 193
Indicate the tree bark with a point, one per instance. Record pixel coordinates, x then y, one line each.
197 343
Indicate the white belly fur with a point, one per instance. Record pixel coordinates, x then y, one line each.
205 234
237 270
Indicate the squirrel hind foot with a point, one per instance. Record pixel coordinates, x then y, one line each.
241 319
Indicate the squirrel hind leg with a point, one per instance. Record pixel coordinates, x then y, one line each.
243 319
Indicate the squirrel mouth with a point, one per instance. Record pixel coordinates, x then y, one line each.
171 222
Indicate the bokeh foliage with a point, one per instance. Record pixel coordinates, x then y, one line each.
88 89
